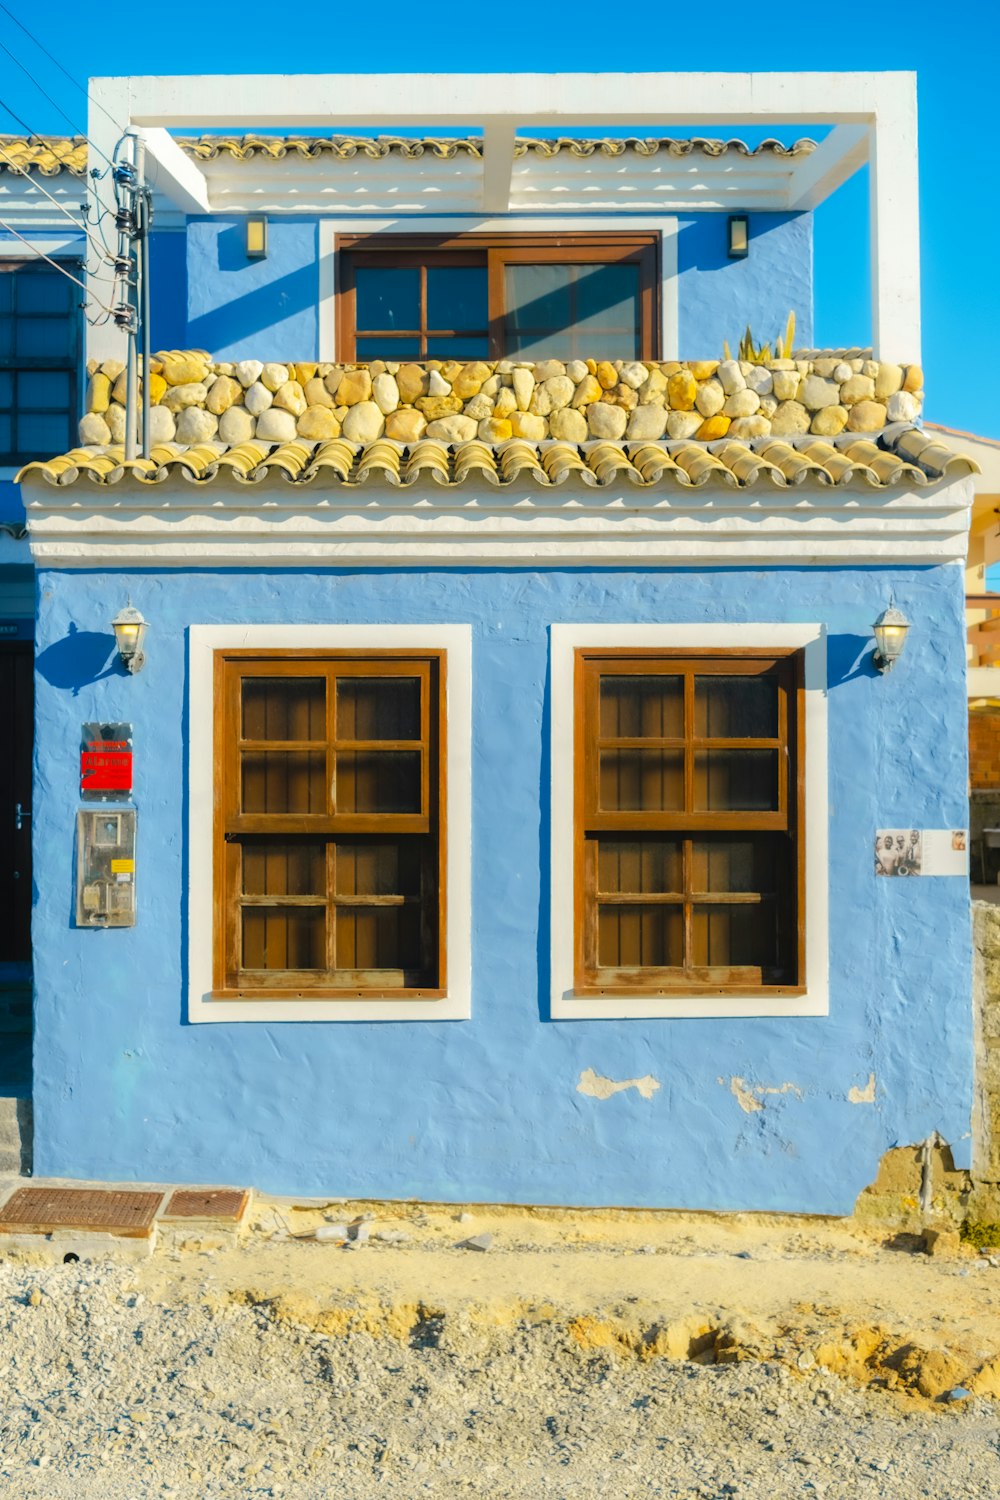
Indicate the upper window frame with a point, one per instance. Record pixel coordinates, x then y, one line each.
31 364
568 1001
206 642
496 252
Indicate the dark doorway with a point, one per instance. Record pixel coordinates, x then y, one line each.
16 739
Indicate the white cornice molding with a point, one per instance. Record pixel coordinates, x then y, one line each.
276 525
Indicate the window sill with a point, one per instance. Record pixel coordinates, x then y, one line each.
248 1005
607 1005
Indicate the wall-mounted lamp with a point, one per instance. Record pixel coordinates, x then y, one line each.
256 239
739 236
890 636
130 631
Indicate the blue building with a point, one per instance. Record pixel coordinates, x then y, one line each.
512 769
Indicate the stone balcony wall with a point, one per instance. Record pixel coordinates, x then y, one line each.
195 399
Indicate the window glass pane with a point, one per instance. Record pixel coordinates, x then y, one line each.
634 937
378 867
734 936
607 299
379 781
284 708
6 290
44 338
6 444
378 937
45 389
277 868
736 780
538 297
284 938
456 297
463 347
641 780
47 291
44 436
284 781
633 707
6 389
736 707
378 708
384 347
387 297
6 334
734 865
640 867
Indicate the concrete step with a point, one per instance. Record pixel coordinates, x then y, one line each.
15 1135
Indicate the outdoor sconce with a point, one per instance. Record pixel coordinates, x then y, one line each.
256 239
890 636
130 631
739 236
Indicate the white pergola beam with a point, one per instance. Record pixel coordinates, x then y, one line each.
172 173
894 223
837 157
498 164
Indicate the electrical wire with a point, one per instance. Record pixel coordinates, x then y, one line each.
28 74
35 183
74 81
62 269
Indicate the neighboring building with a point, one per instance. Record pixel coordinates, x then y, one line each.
509 753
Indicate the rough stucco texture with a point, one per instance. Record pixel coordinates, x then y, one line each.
267 309
490 1109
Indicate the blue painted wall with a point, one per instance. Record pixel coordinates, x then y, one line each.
267 309
488 1109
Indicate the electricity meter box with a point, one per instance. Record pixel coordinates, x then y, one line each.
105 867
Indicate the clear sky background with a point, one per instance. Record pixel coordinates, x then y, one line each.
954 50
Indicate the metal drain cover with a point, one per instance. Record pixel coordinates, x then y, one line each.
40 1210
208 1203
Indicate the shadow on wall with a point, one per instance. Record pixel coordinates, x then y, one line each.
82 657
849 657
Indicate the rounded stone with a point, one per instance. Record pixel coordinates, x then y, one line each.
385 393
606 421
364 422
548 369
223 393
316 393
713 428
405 426
112 368
559 389
437 385
469 380
633 374
524 424
94 429
162 427
711 398
115 418
786 384
647 423
479 408
654 386
355 386
703 369
236 426
577 370
888 381
157 388
760 379
568 425
790 418
867 416
318 422
195 425
453 429
178 369
749 427
731 376
903 406
607 375
857 388
275 426
524 384
683 424
412 382
98 393
290 397
179 396
588 391
741 403
829 421
818 392
914 378
274 376
435 408
494 430
257 399
247 372
682 391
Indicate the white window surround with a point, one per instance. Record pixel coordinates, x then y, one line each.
565 1004
665 226
456 640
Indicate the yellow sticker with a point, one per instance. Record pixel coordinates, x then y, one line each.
123 867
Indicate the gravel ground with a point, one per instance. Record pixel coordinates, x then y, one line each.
109 1393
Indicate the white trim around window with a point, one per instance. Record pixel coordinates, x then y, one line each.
456 640
565 1004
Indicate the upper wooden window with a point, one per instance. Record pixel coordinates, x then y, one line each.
688 827
329 835
541 296
39 353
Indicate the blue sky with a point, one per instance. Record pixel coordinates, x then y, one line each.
954 54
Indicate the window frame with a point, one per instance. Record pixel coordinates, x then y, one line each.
591 822
71 364
496 252
569 999
206 999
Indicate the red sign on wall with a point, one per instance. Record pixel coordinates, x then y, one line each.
106 761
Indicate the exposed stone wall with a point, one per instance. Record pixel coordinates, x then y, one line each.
984 751
195 399
986 1001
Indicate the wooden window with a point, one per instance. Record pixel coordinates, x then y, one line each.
689 805
329 831
39 354
546 296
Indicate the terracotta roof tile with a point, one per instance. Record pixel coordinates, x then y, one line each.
905 456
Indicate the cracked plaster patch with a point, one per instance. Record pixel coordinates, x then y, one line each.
865 1095
598 1087
750 1096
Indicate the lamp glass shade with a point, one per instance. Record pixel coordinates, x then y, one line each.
256 238
130 630
890 634
739 236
